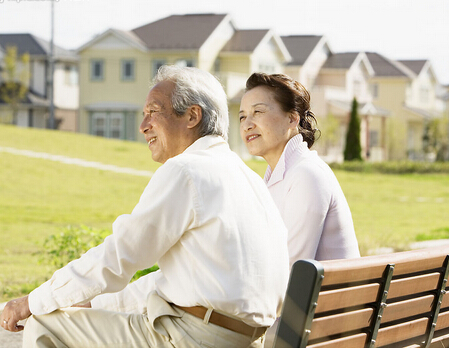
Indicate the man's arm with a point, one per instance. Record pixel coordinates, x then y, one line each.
15 311
139 239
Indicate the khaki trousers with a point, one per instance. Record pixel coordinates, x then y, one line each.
163 326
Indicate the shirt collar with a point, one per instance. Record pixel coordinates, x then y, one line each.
205 142
295 145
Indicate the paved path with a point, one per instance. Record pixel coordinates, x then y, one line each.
75 161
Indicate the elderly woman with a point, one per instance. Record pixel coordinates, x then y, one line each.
277 124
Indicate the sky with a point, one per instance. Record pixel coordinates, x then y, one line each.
397 29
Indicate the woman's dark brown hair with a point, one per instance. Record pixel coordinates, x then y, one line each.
292 97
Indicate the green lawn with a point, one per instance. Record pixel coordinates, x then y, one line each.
40 197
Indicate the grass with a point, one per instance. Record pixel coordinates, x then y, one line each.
39 198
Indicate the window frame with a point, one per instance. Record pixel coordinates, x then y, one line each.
93 62
123 64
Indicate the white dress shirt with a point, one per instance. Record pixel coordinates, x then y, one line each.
209 222
312 204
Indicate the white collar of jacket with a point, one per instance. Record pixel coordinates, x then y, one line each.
295 145
205 142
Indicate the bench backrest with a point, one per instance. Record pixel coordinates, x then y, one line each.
390 300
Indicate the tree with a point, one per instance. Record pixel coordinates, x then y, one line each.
15 79
353 149
436 138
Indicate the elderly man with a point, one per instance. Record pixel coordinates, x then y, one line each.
205 218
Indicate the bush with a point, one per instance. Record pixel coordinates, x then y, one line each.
393 167
72 242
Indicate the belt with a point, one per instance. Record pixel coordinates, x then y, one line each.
225 321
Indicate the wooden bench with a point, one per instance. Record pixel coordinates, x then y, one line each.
393 300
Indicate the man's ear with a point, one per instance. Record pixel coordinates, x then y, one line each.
195 114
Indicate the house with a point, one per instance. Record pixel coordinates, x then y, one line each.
396 98
309 52
34 109
116 67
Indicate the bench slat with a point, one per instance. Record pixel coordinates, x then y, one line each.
355 270
351 296
341 323
412 285
442 321
398 333
407 308
355 341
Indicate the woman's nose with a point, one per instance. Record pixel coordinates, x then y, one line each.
248 125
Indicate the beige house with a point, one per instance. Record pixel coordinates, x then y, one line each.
116 67
34 109
395 98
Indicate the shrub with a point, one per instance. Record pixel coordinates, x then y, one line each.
72 242
393 167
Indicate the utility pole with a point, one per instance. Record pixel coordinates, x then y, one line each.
52 69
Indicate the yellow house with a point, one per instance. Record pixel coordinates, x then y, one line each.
116 67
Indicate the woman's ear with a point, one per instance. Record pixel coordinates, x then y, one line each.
195 115
293 119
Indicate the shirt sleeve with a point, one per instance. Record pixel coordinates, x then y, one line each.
137 241
306 207
132 299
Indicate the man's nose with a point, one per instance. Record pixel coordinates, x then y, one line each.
145 126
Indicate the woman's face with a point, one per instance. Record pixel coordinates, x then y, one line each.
264 126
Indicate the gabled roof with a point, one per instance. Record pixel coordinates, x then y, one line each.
127 36
34 46
340 60
183 32
415 65
385 67
300 47
245 40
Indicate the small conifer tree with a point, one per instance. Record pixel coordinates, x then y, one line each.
353 149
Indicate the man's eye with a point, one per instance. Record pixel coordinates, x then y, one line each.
241 118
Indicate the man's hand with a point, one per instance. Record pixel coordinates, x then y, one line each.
15 310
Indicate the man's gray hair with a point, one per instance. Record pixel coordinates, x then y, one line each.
197 87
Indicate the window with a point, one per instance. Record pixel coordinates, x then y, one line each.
357 88
117 124
70 75
156 65
96 70
375 90
99 124
373 139
185 63
116 128
128 68
424 95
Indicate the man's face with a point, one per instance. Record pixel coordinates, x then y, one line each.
164 131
